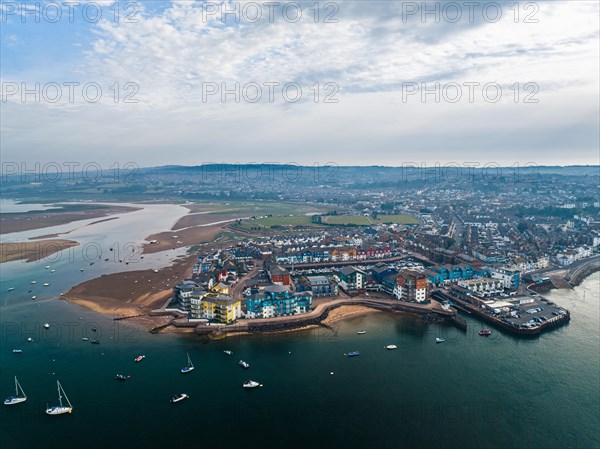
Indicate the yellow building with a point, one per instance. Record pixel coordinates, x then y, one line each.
222 308
221 289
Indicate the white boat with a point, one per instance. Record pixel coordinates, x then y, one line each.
46 284
439 340
33 297
361 332
228 352
391 347
189 367
29 339
243 364
60 409
47 326
47 267
17 351
251 384
85 338
12 400
34 282
52 271
10 289
179 397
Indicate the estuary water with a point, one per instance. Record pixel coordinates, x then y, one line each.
470 392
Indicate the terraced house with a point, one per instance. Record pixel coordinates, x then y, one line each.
277 300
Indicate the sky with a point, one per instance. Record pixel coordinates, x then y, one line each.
344 82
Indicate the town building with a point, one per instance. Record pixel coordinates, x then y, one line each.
411 286
485 286
322 286
351 278
182 293
277 300
511 278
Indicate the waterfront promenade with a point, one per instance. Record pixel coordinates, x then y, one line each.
317 315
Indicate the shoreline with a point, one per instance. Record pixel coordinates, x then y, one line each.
32 251
126 294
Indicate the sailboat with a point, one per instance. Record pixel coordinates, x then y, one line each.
11 400
60 409
189 367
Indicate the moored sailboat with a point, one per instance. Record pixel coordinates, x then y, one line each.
17 398
60 409
189 367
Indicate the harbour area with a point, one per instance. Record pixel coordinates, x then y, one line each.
521 315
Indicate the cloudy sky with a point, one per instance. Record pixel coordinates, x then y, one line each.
349 82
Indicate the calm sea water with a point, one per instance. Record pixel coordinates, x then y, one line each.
470 392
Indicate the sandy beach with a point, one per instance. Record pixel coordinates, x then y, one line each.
33 250
346 312
130 293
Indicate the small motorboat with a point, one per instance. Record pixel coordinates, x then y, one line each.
361 332
122 377
33 298
352 354
251 384
47 267
29 339
485 332
18 351
179 398
46 284
439 340
33 282
95 342
244 365
52 271
94 329
47 326
81 269
391 347
84 338
10 289
228 352
139 358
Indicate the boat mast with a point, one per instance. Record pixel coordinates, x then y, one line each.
66 397
190 360
59 396
17 386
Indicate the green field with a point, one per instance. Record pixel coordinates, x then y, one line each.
278 220
361 220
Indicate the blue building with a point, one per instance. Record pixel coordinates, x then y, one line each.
277 300
441 274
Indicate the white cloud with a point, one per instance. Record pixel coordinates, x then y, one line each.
369 53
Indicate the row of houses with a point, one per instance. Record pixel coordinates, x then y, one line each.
317 255
216 305
414 285
404 285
